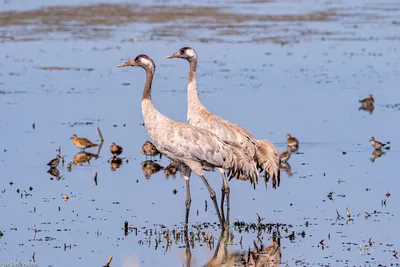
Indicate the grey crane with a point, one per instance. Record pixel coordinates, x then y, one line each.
264 153
195 148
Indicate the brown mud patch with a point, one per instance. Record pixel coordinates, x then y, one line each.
170 22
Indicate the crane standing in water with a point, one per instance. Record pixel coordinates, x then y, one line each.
264 153
195 148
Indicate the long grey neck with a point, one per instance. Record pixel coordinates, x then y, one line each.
148 110
147 86
193 93
151 116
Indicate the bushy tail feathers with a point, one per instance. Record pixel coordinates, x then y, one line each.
268 159
241 163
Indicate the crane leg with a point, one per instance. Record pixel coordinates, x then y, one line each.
225 192
186 175
188 200
214 198
222 202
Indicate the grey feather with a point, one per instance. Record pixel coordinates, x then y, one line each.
197 148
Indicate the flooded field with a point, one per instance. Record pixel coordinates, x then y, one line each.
274 67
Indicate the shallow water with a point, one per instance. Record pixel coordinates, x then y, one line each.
280 73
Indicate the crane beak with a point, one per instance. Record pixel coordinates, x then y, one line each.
175 55
125 64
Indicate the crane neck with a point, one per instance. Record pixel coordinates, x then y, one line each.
193 93
150 113
147 86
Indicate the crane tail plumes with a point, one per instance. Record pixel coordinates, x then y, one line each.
268 159
239 163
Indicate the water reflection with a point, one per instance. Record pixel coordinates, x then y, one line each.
260 255
54 172
367 104
293 149
369 109
150 167
202 236
286 167
285 156
376 154
83 157
171 170
115 163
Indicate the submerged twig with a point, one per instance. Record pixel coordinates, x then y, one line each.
101 140
35 231
100 146
338 217
100 134
126 227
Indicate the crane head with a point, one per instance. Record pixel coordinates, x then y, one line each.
187 53
141 60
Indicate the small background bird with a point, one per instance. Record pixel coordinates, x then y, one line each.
82 143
